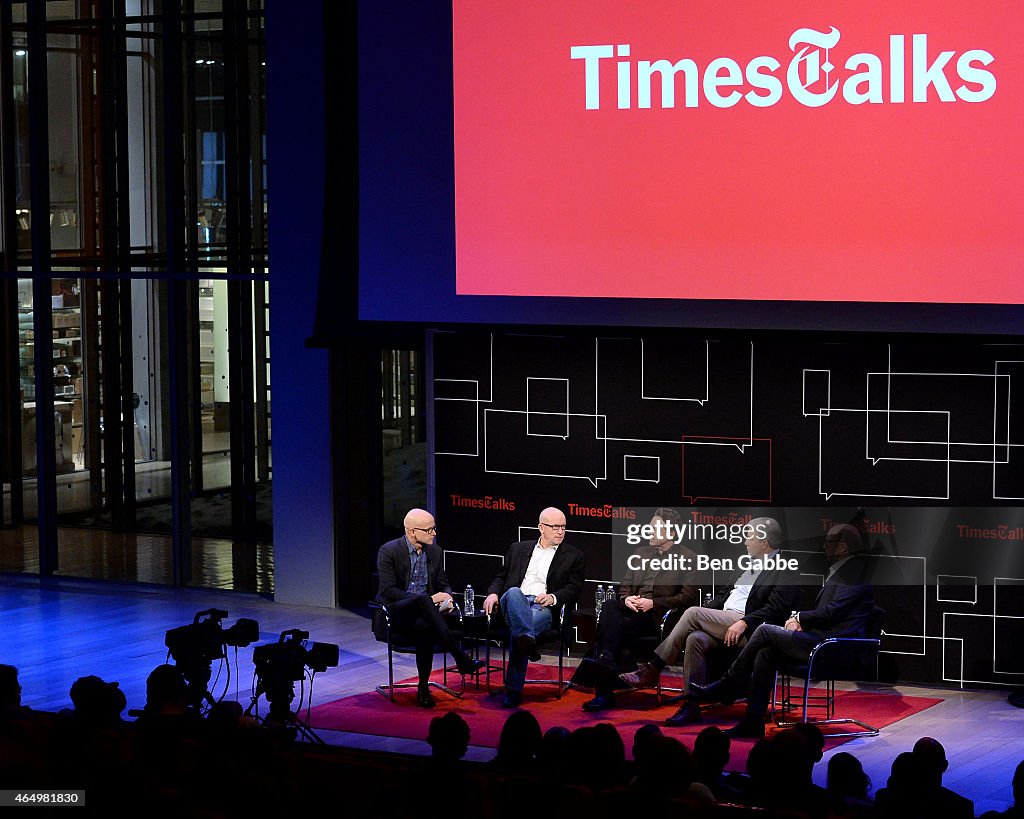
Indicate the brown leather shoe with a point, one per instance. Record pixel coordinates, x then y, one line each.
645 676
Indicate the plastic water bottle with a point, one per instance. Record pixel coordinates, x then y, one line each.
599 599
609 594
468 601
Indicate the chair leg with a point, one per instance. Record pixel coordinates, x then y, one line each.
830 718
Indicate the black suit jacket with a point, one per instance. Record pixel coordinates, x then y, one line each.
770 601
565 575
843 605
672 589
393 570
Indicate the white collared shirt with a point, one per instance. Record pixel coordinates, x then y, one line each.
536 580
737 599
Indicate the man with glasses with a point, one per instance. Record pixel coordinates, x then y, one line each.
414 587
537 576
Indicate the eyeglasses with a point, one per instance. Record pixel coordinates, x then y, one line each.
558 527
430 531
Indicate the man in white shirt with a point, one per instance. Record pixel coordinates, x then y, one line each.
536 577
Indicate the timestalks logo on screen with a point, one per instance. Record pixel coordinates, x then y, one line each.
808 77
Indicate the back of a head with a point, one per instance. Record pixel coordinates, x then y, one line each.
96 701
166 690
711 749
644 741
791 748
1018 786
10 688
609 749
931 750
759 760
815 739
554 745
520 737
909 776
846 776
448 736
671 766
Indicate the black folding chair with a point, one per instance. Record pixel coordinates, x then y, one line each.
835 658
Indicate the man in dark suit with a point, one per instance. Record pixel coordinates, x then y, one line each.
416 591
842 609
756 596
537 576
645 596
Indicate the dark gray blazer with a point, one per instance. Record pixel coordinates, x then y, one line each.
843 605
393 570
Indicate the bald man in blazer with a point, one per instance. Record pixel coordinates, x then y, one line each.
537 577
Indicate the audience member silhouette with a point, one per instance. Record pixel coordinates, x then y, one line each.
710 756
1016 810
848 785
597 756
946 802
22 737
906 792
518 744
791 758
90 743
448 738
666 772
554 750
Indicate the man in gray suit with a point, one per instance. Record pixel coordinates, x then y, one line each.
842 609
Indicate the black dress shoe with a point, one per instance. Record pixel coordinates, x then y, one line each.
528 646
469 666
512 699
750 727
424 699
688 714
600 703
721 691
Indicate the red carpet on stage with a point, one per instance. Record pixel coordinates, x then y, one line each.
371 713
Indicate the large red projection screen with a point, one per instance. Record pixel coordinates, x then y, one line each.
696 149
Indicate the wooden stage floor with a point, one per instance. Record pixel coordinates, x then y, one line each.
55 631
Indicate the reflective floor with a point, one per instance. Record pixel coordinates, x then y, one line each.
101 554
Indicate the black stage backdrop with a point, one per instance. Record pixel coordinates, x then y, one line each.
917 440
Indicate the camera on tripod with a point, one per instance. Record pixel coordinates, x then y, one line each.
205 640
287 659
195 646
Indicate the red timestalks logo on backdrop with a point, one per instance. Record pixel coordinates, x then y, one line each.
810 66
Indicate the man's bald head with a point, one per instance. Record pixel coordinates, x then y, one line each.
552 527
418 517
419 528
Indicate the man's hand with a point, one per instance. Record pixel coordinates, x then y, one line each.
735 632
792 624
630 602
545 599
490 603
642 604
440 597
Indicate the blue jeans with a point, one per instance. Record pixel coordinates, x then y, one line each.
523 616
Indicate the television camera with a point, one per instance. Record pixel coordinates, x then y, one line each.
279 665
195 646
